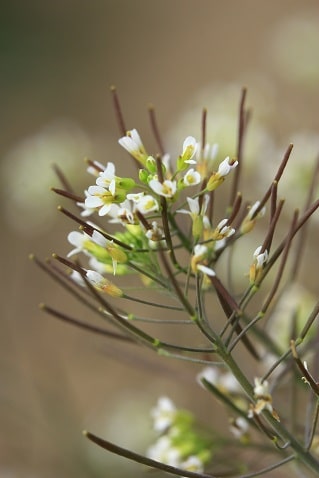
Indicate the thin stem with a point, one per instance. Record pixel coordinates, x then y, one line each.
303 234
310 435
269 468
130 455
65 183
118 111
155 129
82 325
242 123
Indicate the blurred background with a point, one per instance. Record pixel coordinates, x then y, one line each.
58 62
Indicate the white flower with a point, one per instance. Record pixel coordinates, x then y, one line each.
79 240
228 383
193 205
253 210
163 414
194 210
199 251
261 389
219 244
166 159
147 204
99 239
263 400
144 202
107 176
260 258
96 279
192 463
189 150
77 278
191 178
87 211
224 381
210 374
135 197
163 451
206 270
122 213
100 266
100 198
251 217
226 166
133 144
239 427
102 284
154 234
223 231
166 189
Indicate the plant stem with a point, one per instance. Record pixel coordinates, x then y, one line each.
301 453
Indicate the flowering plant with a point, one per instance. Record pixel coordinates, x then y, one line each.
163 226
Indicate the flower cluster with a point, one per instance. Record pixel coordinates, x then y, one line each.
180 443
165 227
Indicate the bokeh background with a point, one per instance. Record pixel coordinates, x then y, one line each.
58 61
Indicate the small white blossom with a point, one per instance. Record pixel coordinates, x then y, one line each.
192 463
210 374
193 207
260 258
133 144
147 204
251 217
154 234
263 399
96 279
253 210
200 250
261 389
226 166
100 198
167 188
79 240
189 150
87 211
99 239
225 381
166 159
224 231
206 270
239 427
164 452
107 176
219 244
191 178
77 278
163 414
135 197
122 213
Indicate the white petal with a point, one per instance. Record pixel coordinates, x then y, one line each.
206 270
105 209
93 201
